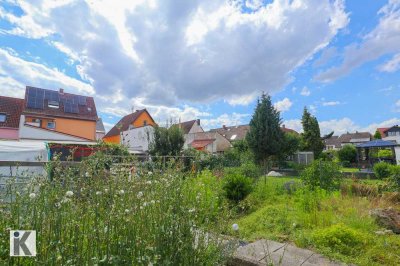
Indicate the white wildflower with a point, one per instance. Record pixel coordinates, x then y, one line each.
148 182
150 173
69 193
87 174
32 195
145 204
98 193
191 210
235 227
127 210
153 202
121 192
139 194
106 190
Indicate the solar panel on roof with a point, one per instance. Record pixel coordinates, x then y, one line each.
82 100
71 108
52 96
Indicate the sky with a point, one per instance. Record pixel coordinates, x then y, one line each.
211 59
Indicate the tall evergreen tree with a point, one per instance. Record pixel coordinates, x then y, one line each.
265 137
311 137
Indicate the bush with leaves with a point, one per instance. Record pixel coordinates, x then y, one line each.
236 186
325 175
382 170
395 177
339 239
347 155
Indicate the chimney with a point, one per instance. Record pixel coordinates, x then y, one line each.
61 91
283 126
198 122
223 126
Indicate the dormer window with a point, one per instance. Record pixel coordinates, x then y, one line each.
54 104
3 117
145 123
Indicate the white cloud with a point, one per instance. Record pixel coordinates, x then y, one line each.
233 119
392 65
194 51
397 106
343 125
15 73
331 103
284 105
326 56
313 109
383 40
305 91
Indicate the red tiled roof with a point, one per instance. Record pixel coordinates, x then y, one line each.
12 107
382 130
201 143
125 122
86 112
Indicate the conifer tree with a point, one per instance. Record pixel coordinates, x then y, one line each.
311 137
265 137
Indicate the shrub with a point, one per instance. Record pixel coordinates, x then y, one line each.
382 170
395 177
322 174
250 170
236 186
348 154
339 239
384 154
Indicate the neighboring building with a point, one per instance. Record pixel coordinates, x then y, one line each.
140 118
235 133
138 139
354 138
100 130
336 143
190 127
57 116
10 115
382 131
332 143
211 142
392 134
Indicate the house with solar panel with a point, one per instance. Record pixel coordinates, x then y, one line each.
58 116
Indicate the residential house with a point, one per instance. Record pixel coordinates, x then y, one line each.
10 115
211 142
196 138
133 131
57 116
391 134
235 133
100 130
190 127
337 142
382 131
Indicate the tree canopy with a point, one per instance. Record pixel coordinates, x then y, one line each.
311 136
377 135
265 137
167 141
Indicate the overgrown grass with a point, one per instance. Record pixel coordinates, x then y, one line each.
336 225
93 216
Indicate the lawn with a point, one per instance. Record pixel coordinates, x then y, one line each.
336 224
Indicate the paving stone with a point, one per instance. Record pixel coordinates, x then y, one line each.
267 252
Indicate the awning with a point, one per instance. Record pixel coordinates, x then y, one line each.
201 143
378 143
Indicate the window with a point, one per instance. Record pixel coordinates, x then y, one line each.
3 117
51 125
34 122
145 123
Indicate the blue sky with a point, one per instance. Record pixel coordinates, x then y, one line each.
211 59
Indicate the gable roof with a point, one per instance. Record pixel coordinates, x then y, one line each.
234 133
346 138
382 130
12 107
186 126
393 127
85 112
334 140
201 143
125 122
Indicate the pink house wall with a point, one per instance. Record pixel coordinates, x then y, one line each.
9 133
